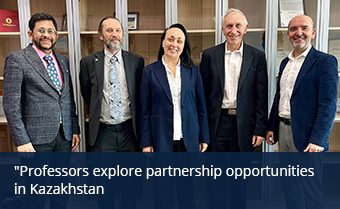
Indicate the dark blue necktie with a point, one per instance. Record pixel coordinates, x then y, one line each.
52 72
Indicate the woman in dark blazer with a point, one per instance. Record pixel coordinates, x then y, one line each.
173 113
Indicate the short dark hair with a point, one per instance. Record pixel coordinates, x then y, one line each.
100 27
185 56
41 16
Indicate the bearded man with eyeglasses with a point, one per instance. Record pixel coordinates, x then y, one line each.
38 100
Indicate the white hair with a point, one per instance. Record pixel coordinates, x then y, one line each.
230 10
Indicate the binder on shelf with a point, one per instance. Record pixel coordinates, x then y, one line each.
9 21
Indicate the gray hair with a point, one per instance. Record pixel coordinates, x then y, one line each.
230 10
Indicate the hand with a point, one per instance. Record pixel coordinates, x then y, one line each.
313 148
75 141
148 149
203 147
257 140
26 150
270 138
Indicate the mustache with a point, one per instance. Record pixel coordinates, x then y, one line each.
115 39
299 36
45 39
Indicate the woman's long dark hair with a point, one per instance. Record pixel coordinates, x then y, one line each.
185 56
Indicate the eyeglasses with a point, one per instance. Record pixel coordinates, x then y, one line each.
49 31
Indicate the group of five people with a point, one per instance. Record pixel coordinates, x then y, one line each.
171 105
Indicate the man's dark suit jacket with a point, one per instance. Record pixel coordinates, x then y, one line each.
156 115
32 103
252 92
92 79
313 101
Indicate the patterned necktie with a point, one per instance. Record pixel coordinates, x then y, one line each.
52 72
116 111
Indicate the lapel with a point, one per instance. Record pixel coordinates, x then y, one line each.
33 59
185 77
99 69
306 66
245 67
282 67
219 59
65 70
129 73
162 79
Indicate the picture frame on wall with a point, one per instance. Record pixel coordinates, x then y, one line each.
289 9
133 21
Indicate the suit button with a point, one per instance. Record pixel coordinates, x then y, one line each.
182 106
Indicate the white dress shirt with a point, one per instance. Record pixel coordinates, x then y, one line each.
287 82
175 89
124 94
232 69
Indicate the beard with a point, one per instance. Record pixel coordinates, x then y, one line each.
303 42
113 46
41 47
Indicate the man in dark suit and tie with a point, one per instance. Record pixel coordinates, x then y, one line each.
235 82
39 103
303 111
234 76
110 81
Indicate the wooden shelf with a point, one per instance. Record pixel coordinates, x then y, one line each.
144 32
337 117
334 28
88 32
282 29
62 32
256 29
9 33
3 120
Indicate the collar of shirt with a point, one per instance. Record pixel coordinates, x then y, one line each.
304 54
240 50
42 54
168 69
108 56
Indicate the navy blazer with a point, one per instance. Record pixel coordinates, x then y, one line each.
32 103
313 101
156 109
252 92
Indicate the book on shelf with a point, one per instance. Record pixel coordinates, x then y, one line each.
9 21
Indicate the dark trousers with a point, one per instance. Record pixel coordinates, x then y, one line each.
178 146
226 140
59 144
226 136
303 192
116 138
166 187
